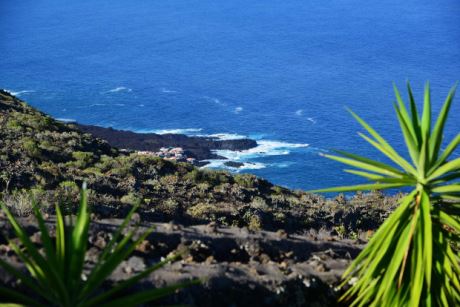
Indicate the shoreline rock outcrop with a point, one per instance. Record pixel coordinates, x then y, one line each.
197 147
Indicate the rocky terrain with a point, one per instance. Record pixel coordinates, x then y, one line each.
255 243
238 267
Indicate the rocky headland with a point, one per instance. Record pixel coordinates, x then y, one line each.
198 148
253 243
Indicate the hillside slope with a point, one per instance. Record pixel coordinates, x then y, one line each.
54 158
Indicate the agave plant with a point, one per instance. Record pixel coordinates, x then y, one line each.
57 274
410 260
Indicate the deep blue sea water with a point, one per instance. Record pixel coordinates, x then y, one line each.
278 71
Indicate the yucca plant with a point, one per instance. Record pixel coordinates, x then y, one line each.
56 274
410 260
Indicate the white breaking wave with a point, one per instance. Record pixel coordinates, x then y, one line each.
299 112
215 100
187 131
220 164
119 89
19 93
263 148
238 110
311 119
164 90
66 120
225 136
282 164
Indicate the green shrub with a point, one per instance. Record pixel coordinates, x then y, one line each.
259 203
70 186
130 199
245 180
410 261
31 147
50 167
82 159
201 211
55 276
13 124
277 189
193 176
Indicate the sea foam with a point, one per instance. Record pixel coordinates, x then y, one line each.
186 131
220 164
119 89
19 93
166 91
225 136
263 148
66 120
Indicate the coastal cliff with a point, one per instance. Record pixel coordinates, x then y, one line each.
247 237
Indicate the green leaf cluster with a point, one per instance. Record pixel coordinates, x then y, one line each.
56 274
410 260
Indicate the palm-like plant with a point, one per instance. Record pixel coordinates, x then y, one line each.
410 261
57 275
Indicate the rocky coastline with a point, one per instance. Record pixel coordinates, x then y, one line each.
194 147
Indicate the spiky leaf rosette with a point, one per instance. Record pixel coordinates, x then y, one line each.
56 274
410 260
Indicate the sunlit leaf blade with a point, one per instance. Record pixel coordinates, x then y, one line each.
414 114
51 255
409 137
380 169
79 237
447 152
423 159
426 116
391 171
404 117
425 206
381 144
395 158
440 123
60 239
451 188
379 178
451 166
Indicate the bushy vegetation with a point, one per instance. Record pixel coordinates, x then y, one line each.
57 276
59 152
412 260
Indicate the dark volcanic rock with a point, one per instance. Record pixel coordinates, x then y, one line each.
236 267
234 164
196 147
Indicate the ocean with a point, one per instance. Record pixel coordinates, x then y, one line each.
281 72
